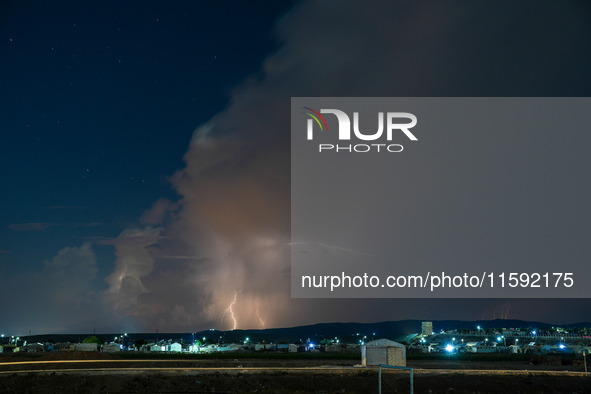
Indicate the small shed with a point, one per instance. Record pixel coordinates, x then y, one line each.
383 351
174 347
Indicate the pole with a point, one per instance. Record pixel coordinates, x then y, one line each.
585 358
393 367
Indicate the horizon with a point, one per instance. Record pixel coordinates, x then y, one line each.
570 325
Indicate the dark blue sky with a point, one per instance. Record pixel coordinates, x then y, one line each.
145 147
99 102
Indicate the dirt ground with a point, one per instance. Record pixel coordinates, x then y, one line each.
104 373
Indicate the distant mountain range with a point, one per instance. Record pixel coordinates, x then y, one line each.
345 332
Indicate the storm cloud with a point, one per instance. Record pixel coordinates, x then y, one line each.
229 232
226 238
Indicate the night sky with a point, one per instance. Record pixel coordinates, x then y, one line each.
145 155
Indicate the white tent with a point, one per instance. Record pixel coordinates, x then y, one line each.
383 351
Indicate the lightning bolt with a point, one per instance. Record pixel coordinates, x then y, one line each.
332 247
504 313
257 312
507 312
229 309
482 317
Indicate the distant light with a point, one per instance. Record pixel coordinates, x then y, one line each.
311 345
449 348
478 327
498 338
561 346
533 332
247 339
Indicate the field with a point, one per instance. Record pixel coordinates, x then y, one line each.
86 372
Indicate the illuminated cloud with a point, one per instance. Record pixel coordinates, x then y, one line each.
230 231
132 265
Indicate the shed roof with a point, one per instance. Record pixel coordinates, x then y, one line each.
384 342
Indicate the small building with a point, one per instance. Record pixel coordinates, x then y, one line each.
111 347
64 347
484 349
209 348
86 347
264 346
425 348
35 347
515 349
383 351
426 328
174 347
147 347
